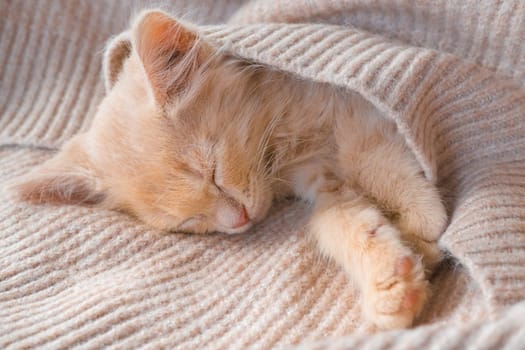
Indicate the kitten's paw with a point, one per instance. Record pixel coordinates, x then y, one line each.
393 300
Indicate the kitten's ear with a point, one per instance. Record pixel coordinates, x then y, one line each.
67 178
170 52
117 51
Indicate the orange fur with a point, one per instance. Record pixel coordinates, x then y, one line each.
192 139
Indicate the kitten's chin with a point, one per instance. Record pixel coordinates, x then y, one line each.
237 230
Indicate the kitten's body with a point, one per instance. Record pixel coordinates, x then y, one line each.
193 140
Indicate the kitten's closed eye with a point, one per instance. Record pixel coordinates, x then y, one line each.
213 179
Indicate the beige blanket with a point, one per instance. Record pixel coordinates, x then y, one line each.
452 75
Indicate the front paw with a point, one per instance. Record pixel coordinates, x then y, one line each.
392 300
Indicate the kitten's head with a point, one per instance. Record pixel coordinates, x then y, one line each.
176 141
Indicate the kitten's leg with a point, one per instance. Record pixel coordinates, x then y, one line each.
400 188
377 160
351 231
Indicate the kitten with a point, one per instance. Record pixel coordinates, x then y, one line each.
192 139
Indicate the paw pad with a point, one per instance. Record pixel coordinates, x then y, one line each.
411 299
404 266
373 231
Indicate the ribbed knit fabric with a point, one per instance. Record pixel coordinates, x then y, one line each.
450 73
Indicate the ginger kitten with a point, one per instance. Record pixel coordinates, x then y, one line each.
192 139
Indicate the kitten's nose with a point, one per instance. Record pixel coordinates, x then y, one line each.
242 219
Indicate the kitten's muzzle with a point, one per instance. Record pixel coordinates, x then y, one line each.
233 218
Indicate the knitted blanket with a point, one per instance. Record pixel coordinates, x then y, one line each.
450 73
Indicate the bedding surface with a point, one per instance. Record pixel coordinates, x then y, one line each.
451 74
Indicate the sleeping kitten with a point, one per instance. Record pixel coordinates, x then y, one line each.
192 139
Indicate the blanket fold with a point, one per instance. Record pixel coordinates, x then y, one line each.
450 74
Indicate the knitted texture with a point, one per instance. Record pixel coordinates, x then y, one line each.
451 74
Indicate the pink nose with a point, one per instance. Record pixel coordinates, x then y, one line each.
243 218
